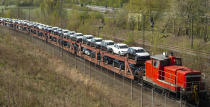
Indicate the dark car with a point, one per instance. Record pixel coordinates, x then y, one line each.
138 54
108 60
93 55
119 64
136 70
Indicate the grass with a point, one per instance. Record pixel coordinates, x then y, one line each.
30 76
41 79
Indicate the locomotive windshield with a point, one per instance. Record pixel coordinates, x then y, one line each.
178 61
164 62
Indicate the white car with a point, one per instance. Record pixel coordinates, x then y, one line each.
96 42
120 49
86 51
70 34
107 45
77 36
87 39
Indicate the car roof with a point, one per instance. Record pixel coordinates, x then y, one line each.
65 30
88 35
121 44
55 27
108 41
78 33
97 38
136 48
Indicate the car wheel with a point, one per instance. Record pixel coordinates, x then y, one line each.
112 51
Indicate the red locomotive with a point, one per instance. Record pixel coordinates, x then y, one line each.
168 73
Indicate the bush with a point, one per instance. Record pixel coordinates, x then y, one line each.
122 17
25 3
130 39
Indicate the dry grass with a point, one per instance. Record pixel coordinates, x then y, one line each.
32 80
30 76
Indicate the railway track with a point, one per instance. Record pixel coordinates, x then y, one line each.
93 68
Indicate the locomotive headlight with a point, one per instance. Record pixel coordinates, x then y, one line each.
183 89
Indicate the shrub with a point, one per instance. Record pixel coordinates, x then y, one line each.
130 39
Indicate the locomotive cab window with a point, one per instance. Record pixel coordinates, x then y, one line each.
156 63
164 63
178 61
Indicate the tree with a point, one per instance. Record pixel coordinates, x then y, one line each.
147 5
52 12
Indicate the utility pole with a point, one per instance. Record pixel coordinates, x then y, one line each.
60 12
174 26
192 32
29 13
143 18
206 27
18 12
206 38
61 25
131 90
142 84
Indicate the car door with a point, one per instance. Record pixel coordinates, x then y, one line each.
102 44
129 52
133 54
115 49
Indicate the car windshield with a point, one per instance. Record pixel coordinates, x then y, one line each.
89 37
123 46
79 36
98 40
110 43
140 51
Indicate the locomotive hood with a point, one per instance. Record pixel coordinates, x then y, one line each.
182 69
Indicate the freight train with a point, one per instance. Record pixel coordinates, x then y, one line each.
163 71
